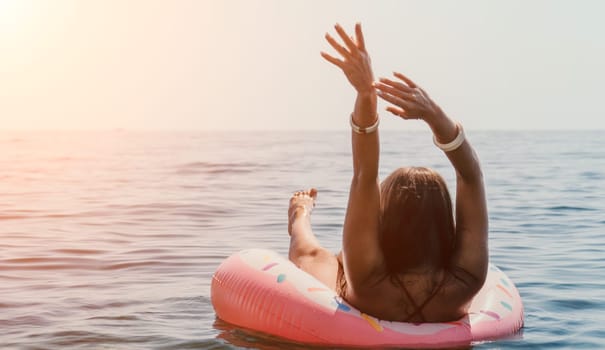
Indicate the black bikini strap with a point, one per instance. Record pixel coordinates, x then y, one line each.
435 291
417 310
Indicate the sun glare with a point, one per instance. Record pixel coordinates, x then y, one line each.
12 15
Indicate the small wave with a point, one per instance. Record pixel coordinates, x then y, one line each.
73 263
132 264
28 321
15 305
12 278
41 260
209 344
43 267
574 304
147 251
41 215
216 168
150 210
569 208
79 251
93 339
13 217
109 305
115 318
591 175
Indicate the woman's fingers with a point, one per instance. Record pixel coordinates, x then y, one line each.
406 79
396 85
348 41
403 108
354 63
335 61
359 35
397 101
402 113
411 102
341 50
398 112
345 38
393 91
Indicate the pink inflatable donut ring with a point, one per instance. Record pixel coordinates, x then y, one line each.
260 290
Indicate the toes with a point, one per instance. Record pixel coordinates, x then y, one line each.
312 192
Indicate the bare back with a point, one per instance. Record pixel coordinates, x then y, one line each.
428 297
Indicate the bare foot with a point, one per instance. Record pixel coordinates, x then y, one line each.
301 204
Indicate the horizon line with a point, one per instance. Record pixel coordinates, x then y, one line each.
121 129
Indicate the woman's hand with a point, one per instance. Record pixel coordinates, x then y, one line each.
355 62
409 100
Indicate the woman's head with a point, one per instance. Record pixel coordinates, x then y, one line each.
417 223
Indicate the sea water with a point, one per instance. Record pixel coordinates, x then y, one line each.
108 239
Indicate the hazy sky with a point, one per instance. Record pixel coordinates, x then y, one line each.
252 64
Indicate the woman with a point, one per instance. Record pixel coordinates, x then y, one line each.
404 258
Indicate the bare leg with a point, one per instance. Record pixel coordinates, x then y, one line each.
305 250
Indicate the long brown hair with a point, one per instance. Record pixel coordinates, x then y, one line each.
417 224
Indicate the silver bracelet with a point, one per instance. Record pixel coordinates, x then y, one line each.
452 146
370 129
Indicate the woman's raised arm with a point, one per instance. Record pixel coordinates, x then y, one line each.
470 259
361 249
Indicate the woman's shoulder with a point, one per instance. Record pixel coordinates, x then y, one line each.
460 284
453 296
